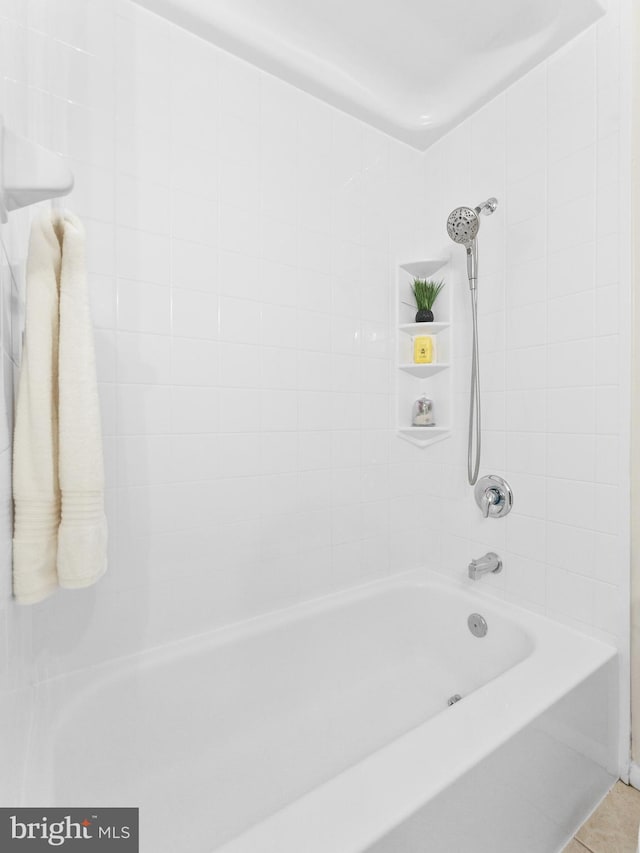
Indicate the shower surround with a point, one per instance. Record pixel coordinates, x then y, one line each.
243 238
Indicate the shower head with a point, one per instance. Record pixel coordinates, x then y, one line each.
463 225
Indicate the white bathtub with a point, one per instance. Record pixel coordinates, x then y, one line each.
325 729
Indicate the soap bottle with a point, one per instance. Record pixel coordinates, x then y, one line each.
423 349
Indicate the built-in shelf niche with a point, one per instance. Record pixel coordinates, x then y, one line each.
413 380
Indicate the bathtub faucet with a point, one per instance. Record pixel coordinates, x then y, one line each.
483 565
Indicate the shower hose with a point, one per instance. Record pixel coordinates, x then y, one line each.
473 459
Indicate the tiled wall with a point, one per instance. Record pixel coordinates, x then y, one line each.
554 303
240 236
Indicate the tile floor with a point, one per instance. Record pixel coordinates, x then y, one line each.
613 827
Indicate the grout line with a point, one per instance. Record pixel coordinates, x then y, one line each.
575 840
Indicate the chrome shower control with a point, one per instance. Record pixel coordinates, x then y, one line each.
494 496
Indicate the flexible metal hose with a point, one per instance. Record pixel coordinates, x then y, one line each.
473 465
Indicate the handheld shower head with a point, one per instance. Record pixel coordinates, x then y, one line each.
463 225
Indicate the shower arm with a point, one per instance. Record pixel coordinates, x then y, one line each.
486 208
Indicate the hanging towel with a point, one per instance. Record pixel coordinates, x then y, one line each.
36 490
60 534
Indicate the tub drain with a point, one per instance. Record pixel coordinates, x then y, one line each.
453 699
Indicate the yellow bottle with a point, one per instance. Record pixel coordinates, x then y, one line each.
422 349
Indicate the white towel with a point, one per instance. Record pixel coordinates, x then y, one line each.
60 535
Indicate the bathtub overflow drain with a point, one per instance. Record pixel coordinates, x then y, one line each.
477 625
453 699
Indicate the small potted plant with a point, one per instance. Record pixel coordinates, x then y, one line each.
425 292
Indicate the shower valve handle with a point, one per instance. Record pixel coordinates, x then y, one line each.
494 496
490 498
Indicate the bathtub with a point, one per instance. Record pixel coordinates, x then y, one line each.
326 728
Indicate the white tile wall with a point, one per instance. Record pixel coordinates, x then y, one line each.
240 245
555 246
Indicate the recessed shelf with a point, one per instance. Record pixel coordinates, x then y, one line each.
422 436
423 328
423 370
